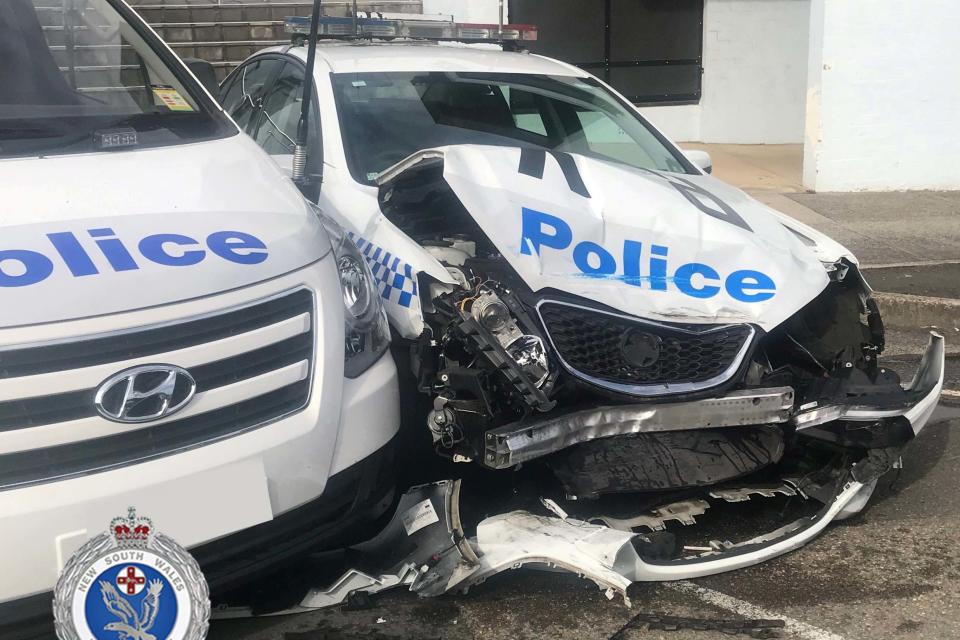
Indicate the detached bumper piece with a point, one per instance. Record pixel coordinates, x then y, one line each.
425 550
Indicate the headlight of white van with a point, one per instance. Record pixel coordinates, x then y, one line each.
367 331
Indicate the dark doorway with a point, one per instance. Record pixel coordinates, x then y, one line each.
649 50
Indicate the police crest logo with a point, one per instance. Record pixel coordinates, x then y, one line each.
131 583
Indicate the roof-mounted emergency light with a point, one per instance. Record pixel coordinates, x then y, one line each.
416 27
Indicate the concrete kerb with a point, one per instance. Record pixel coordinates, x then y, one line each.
907 311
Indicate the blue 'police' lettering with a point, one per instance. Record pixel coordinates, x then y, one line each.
73 254
154 248
684 280
534 236
658 268
21 267
541 231
238 247
740 284
581 256
113 250
631 262
34 267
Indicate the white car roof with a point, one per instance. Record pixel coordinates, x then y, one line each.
359 57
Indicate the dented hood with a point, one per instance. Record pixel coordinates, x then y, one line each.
666 246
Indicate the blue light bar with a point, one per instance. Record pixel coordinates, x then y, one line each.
418 27
335 26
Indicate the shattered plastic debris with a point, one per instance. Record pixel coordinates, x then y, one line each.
512 540
743 494
421 544
424 546
554 508
684 512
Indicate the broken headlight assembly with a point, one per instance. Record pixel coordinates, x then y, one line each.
366 330
492 364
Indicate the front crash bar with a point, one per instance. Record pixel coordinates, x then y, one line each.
920 397
514 443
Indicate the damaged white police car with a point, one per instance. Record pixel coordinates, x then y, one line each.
575 292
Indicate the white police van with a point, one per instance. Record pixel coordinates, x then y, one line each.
571 289
171 338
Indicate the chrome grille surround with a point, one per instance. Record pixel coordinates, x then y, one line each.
725 370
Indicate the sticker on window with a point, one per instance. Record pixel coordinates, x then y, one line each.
171 98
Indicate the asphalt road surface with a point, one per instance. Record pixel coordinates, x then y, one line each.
891 572
937 280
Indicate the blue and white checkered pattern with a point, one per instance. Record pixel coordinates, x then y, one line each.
395 278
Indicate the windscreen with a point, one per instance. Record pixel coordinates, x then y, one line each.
72 69
385 117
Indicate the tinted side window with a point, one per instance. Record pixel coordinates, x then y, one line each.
243 97
277 128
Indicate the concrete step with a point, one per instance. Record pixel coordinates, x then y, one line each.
223 13
224 56
93 60
83 36
220 31
904 310
330 7
246 10
238 50
98 77
223 32
95 55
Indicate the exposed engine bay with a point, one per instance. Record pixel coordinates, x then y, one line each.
615 403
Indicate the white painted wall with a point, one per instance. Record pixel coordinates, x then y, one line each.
884 96
755 76
468 10
755 71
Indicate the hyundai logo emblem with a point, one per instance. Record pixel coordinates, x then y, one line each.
641 349
145 393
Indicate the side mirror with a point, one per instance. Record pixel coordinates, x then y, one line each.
205 74
700 159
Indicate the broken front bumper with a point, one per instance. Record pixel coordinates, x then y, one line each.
515 443
921 397
426 549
